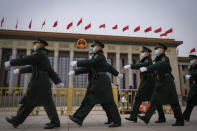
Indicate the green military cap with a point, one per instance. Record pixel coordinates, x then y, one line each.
41 41
96 42
145 49
159 45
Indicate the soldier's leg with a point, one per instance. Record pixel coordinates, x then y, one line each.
52 112
177 114
136 107
188 111
107 111
114 113
161 113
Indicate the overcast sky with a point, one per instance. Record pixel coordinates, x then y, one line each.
178 14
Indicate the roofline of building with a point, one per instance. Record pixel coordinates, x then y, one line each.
16 34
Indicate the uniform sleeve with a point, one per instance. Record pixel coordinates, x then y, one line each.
91 62
83 70
27 60
193 74
164 64
27 69
54 77
112 70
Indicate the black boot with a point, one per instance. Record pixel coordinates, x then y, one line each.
11 121
76 120
160 121
108 122
134 119
51 126
115 124
178 123
143 118
186 117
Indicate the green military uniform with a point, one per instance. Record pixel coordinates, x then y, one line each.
91 73
192 96
39 88
145 90
165 90
99 88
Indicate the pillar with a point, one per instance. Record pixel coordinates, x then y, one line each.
11 80
27 76
130 71
71 68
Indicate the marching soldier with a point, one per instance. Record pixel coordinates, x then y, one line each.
146 87
39 88
165 90
192 96
100 89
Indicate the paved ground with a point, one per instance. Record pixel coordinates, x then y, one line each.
95 121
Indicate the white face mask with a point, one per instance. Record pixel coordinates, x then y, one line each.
35 48
90 57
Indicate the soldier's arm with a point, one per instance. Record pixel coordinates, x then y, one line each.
112 70
83 70
27 69
164 64
54 77
193 74
145 64
91 62
27 60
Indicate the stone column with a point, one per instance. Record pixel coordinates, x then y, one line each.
27 76
11 80
71 59
118 65
130 71
1 50
56 55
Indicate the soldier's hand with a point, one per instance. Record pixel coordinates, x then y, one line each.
16 71
7 64
73 63
71 73
127 67
187 77
143 69
120 76
60 85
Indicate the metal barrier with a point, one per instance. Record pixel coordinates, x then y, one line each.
67 100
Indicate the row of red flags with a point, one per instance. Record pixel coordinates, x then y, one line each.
115 27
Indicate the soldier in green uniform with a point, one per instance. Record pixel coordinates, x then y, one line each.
100 89
146 87
192 96
39 88
165 90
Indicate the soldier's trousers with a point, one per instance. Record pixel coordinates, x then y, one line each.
26 109
86 107
175 107
107 111
188 110
137 106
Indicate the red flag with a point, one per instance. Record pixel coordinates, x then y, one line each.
30 24
16 24
43 24
69 25
192 50
169 31
115 27
2 22
55 24
125 28
88 26
148 29
164 34
158 30
102 26
79 22
137 29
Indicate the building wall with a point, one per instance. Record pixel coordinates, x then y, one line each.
120 55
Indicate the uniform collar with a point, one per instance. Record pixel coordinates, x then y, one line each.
146 57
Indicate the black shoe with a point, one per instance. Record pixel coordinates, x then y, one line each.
115 124
75 120
160 121
108 122
186 118
178 123
10 120
48 123
51 126
143 118
131 119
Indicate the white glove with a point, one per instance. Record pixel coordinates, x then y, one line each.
187 77
73 63
120 76
143 69
16 71
71 73
127 66
7 64
60 85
